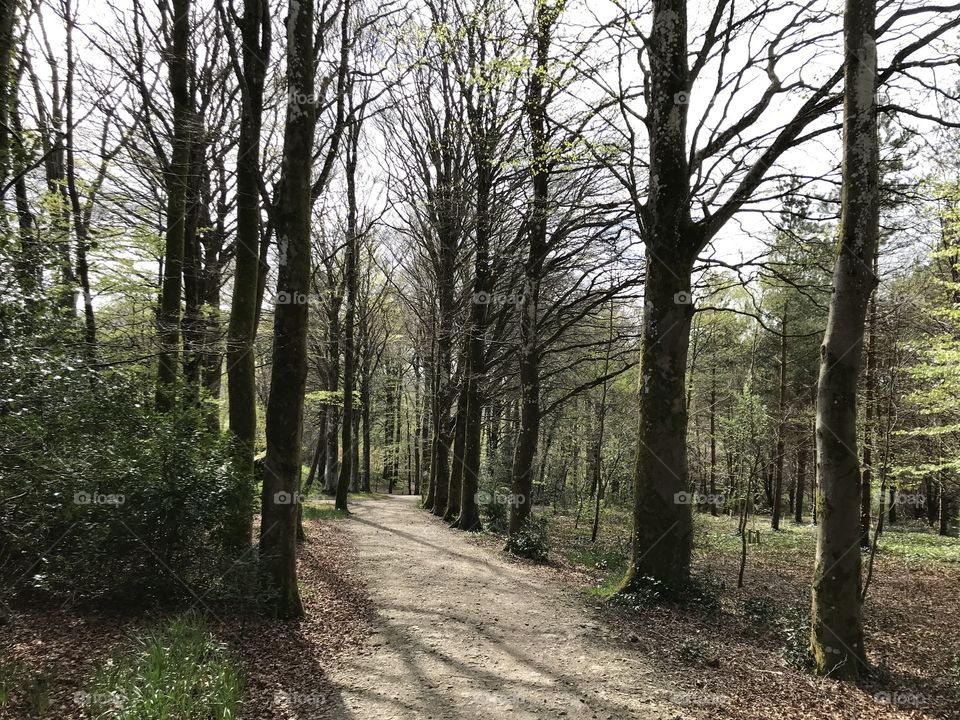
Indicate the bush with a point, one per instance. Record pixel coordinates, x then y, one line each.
701 592
696 652
794 627
175 671
495 514
759 611
645 592
531 541
125 503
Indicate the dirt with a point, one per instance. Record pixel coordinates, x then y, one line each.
461 631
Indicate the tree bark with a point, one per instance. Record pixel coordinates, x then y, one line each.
801 481
662 533
869 431
545 15
350 270
782 423
714 509
168 317
836 615
242 329
289 372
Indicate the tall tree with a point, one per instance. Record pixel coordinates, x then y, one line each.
545 17
251 68
351 276
284 422
177 178
836 615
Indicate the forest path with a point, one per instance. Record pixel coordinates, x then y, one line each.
461 632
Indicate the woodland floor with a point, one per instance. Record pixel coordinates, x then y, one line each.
408 619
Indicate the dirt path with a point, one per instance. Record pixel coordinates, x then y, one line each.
463 633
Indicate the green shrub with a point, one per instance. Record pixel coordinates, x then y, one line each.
494 512
794 628
701 592
128 503
759 611
693 651
645 592
9 672
174 671
531 540
38 694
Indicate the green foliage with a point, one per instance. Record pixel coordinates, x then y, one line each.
495 514
700 592
38 694
325 511
759 611
693 651
174 671
794 629
9 673
103 497
531 540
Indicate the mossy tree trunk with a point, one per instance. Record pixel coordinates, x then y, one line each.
662 540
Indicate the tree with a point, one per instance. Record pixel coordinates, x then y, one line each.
351 273
255 33
168 317
284 423
836 614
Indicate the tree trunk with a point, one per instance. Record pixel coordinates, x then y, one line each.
869 434
350 271
801 481
713 440
459 444
836 617
388 418
289 372
662 526
241 362
782 424
168 317
525 453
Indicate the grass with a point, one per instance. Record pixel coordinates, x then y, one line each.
608 557
173 671
33 689
9 673
38 695
324 511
